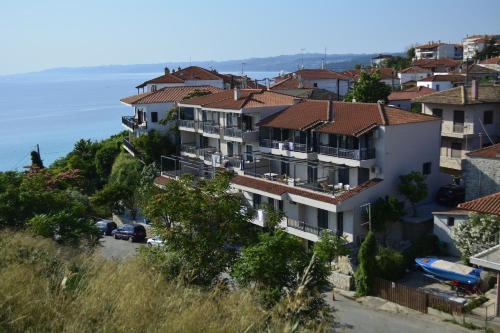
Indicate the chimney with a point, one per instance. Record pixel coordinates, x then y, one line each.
236 94
329 111
474 90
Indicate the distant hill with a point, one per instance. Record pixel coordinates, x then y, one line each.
286 63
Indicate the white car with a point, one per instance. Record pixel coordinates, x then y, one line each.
155 241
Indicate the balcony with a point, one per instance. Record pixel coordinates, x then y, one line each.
188 124
189 148
458 127
127 144
131 123
352 154
211 128
303 229
285 145
238 134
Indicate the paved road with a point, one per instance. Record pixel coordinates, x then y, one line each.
354 317
117 248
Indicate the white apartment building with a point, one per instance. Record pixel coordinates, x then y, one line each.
413 73
474 44
442 81
151 107
470 119
438 50
316 78
189 76
320 162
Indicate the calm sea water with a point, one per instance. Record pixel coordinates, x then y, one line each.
55 111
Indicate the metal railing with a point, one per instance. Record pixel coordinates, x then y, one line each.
130 146
285 145
303 226
130 122
352 154
234 132
458 127
211 128
189 148
187 123
233 161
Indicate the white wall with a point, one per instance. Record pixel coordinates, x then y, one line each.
436 85
445 232
330 85
405 77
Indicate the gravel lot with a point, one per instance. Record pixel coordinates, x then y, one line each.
117 249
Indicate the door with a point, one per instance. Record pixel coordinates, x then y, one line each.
322 219
312 174
230 149
458 121
340 223
344 176
363 175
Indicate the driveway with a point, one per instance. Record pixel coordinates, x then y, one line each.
117 249
352 316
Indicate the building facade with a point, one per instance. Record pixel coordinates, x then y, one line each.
482 172
438 50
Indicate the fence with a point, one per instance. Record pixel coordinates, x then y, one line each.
414 298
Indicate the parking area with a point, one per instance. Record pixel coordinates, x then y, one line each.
420 280
117 249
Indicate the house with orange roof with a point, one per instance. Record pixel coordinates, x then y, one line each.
322 163
440 82
403 99
314 78
439 50
475 43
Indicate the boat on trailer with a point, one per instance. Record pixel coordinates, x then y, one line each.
450 271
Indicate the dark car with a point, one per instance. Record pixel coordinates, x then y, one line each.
450 195
132 232
106 226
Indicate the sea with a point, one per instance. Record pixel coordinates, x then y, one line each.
54 110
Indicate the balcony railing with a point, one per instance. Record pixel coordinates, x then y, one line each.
233 161
211 128
130 146
234 132
352 154
458 127
187 123
303 226
131 122
189 148
285 145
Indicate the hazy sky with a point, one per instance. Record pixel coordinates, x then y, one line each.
38 34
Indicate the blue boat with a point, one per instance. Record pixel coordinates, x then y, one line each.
450 271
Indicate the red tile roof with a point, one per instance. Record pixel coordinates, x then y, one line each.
492 151
290 83
280 189
489 204
409 93
313 74
415 69
249 98
168 94
434 63
345 118
188 73
491 61
445 77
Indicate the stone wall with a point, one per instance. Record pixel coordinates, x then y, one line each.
481 177
342 281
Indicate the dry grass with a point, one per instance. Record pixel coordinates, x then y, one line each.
105 296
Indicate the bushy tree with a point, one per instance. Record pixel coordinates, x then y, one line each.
385 212
391 264
477 234
12 213
369 89
490 49
201 222
330 246
414 188
153 145
367 269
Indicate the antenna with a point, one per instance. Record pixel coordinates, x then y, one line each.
243 69
302 56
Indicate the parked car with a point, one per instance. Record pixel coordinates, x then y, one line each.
450 195
155 241
132 232
106 226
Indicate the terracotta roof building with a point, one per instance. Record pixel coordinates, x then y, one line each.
403 98
489 204
313 78
189 76
166 95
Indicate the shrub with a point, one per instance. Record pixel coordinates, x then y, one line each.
391 264
367 266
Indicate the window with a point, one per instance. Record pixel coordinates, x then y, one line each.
340 223
270 202
437 113
450 221
458 121
280 205
426 168
456 150
488 117
256 200
154 117
322 219
153 87
437 87
315 85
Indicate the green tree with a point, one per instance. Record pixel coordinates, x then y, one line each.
153 145
490 49
391 264
66 227
201 223
410 53
368 89
330 246
12 212
273 217
477 234
385 212
36 161
367 268
105 157
414 188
